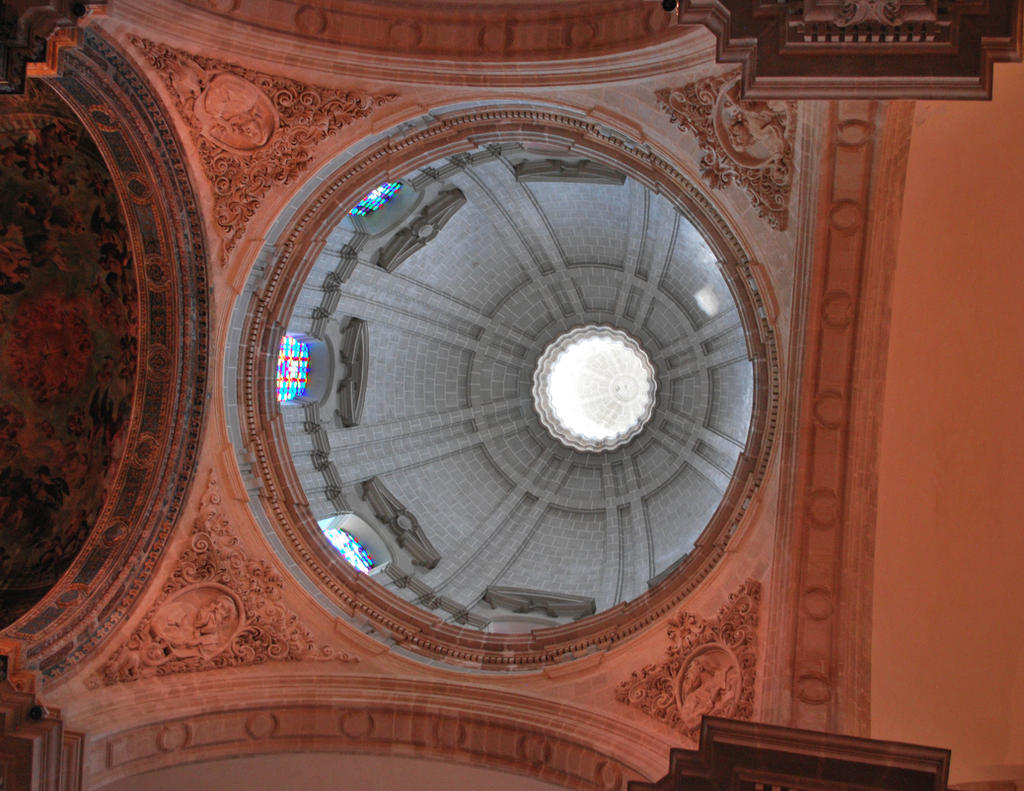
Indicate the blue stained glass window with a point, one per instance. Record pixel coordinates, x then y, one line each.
376 199
350 549
292 369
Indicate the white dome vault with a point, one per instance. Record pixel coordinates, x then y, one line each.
430 317
484 269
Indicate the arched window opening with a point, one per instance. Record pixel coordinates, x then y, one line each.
377 198
350 549
356 541
292 369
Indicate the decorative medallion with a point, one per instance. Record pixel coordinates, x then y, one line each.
219 608
747 143
709 669
252 130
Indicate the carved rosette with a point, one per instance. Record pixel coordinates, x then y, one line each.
217 609
709 669
747 143
252 130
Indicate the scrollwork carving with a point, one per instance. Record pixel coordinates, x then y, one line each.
252 130
709 669
747 143
218 608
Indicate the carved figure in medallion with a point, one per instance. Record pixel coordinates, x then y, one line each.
709 684
218 608
745 142
252 130
709 668
753 132
197 622
235 114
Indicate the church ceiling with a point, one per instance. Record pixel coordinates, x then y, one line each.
69 334
537 247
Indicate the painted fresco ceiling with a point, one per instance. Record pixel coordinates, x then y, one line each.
68 335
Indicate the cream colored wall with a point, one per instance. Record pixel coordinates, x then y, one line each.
948 633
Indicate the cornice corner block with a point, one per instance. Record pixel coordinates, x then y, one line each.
36 753
581 171
32 38
355 362
862 49
749 756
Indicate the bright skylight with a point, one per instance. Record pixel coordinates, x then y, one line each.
594 388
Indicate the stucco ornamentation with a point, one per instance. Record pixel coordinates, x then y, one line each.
709 669
218 608
252 130
747 143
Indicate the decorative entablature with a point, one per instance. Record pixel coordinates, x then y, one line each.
33 33
746 756
36 752
877 49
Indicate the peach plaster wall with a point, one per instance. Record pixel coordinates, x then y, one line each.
947 651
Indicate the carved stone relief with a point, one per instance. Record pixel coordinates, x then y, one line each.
423 229
403 525
821 19
709 669
582 170
555 605
219 608
355 361
252 130
747 143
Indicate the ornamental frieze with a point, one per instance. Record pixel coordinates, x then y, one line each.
709 668
219 608
746 143
253 131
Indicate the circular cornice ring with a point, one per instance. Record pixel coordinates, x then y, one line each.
418 631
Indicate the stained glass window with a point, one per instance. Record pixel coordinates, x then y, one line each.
292 368
376 199
350 549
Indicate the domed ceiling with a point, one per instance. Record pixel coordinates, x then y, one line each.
69 336
430 316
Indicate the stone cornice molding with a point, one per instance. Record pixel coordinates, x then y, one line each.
888 49
746 756
416 631
502 45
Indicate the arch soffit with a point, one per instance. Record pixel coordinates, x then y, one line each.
506 45
297 241
551 741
